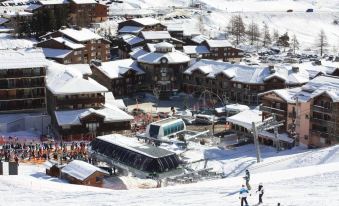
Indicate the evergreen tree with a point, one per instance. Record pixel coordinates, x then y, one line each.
266 39
236 27
284 41
294 43
253 32
321 42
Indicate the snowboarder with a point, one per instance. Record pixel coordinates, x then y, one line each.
243 195
261 192
247 178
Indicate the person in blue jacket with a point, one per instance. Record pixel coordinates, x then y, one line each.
243 195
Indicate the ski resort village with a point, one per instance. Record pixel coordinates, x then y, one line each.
176 102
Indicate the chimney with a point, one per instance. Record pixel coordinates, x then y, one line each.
295 69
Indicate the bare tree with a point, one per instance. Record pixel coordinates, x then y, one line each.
321 42
236 27
253 32
275 36
266 40
294 43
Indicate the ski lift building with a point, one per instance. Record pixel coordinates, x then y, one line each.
165 127
130 155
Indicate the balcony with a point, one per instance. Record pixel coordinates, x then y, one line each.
20 97
323 122
86 100
272 110
320 133
318 108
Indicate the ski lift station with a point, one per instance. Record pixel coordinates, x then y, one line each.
133 156
166 131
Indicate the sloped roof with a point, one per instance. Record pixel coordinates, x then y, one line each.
174 57
218 43
156 34
328 85
199 38
111 113
200 49
80 35
71 81
246 118
115 69
56 53
22 58
147 21
131 39
287 94
130 29
250 74
69 43
81 170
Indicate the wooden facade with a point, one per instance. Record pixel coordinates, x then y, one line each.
324 120
227 54
22 90
98 49
84 14
125 85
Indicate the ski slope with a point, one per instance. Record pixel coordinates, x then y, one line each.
292 178
306 26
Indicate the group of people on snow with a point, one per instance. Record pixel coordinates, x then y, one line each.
244 191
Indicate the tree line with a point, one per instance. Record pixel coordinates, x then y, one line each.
261 36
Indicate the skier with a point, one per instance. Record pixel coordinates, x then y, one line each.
261 192
243 195
247 178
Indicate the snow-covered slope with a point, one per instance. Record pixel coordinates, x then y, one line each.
315 182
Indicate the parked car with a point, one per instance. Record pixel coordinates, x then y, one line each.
309 10
289 10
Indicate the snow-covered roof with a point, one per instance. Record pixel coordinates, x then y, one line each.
80 35
249 74
246 118
111 113
22 58
85 69
71 81
314 70
81 170
153 35
163 45
147 21
287 94
69 43
173 57
199 38
137 52
56 53
282 136
84 1
136 146
232 107
328 85
53 2
130 29
116 69
131 39
218 43
110 100
200 49
7 41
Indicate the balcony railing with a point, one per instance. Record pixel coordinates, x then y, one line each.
323 122
87 100
20 97
272 110
318 108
